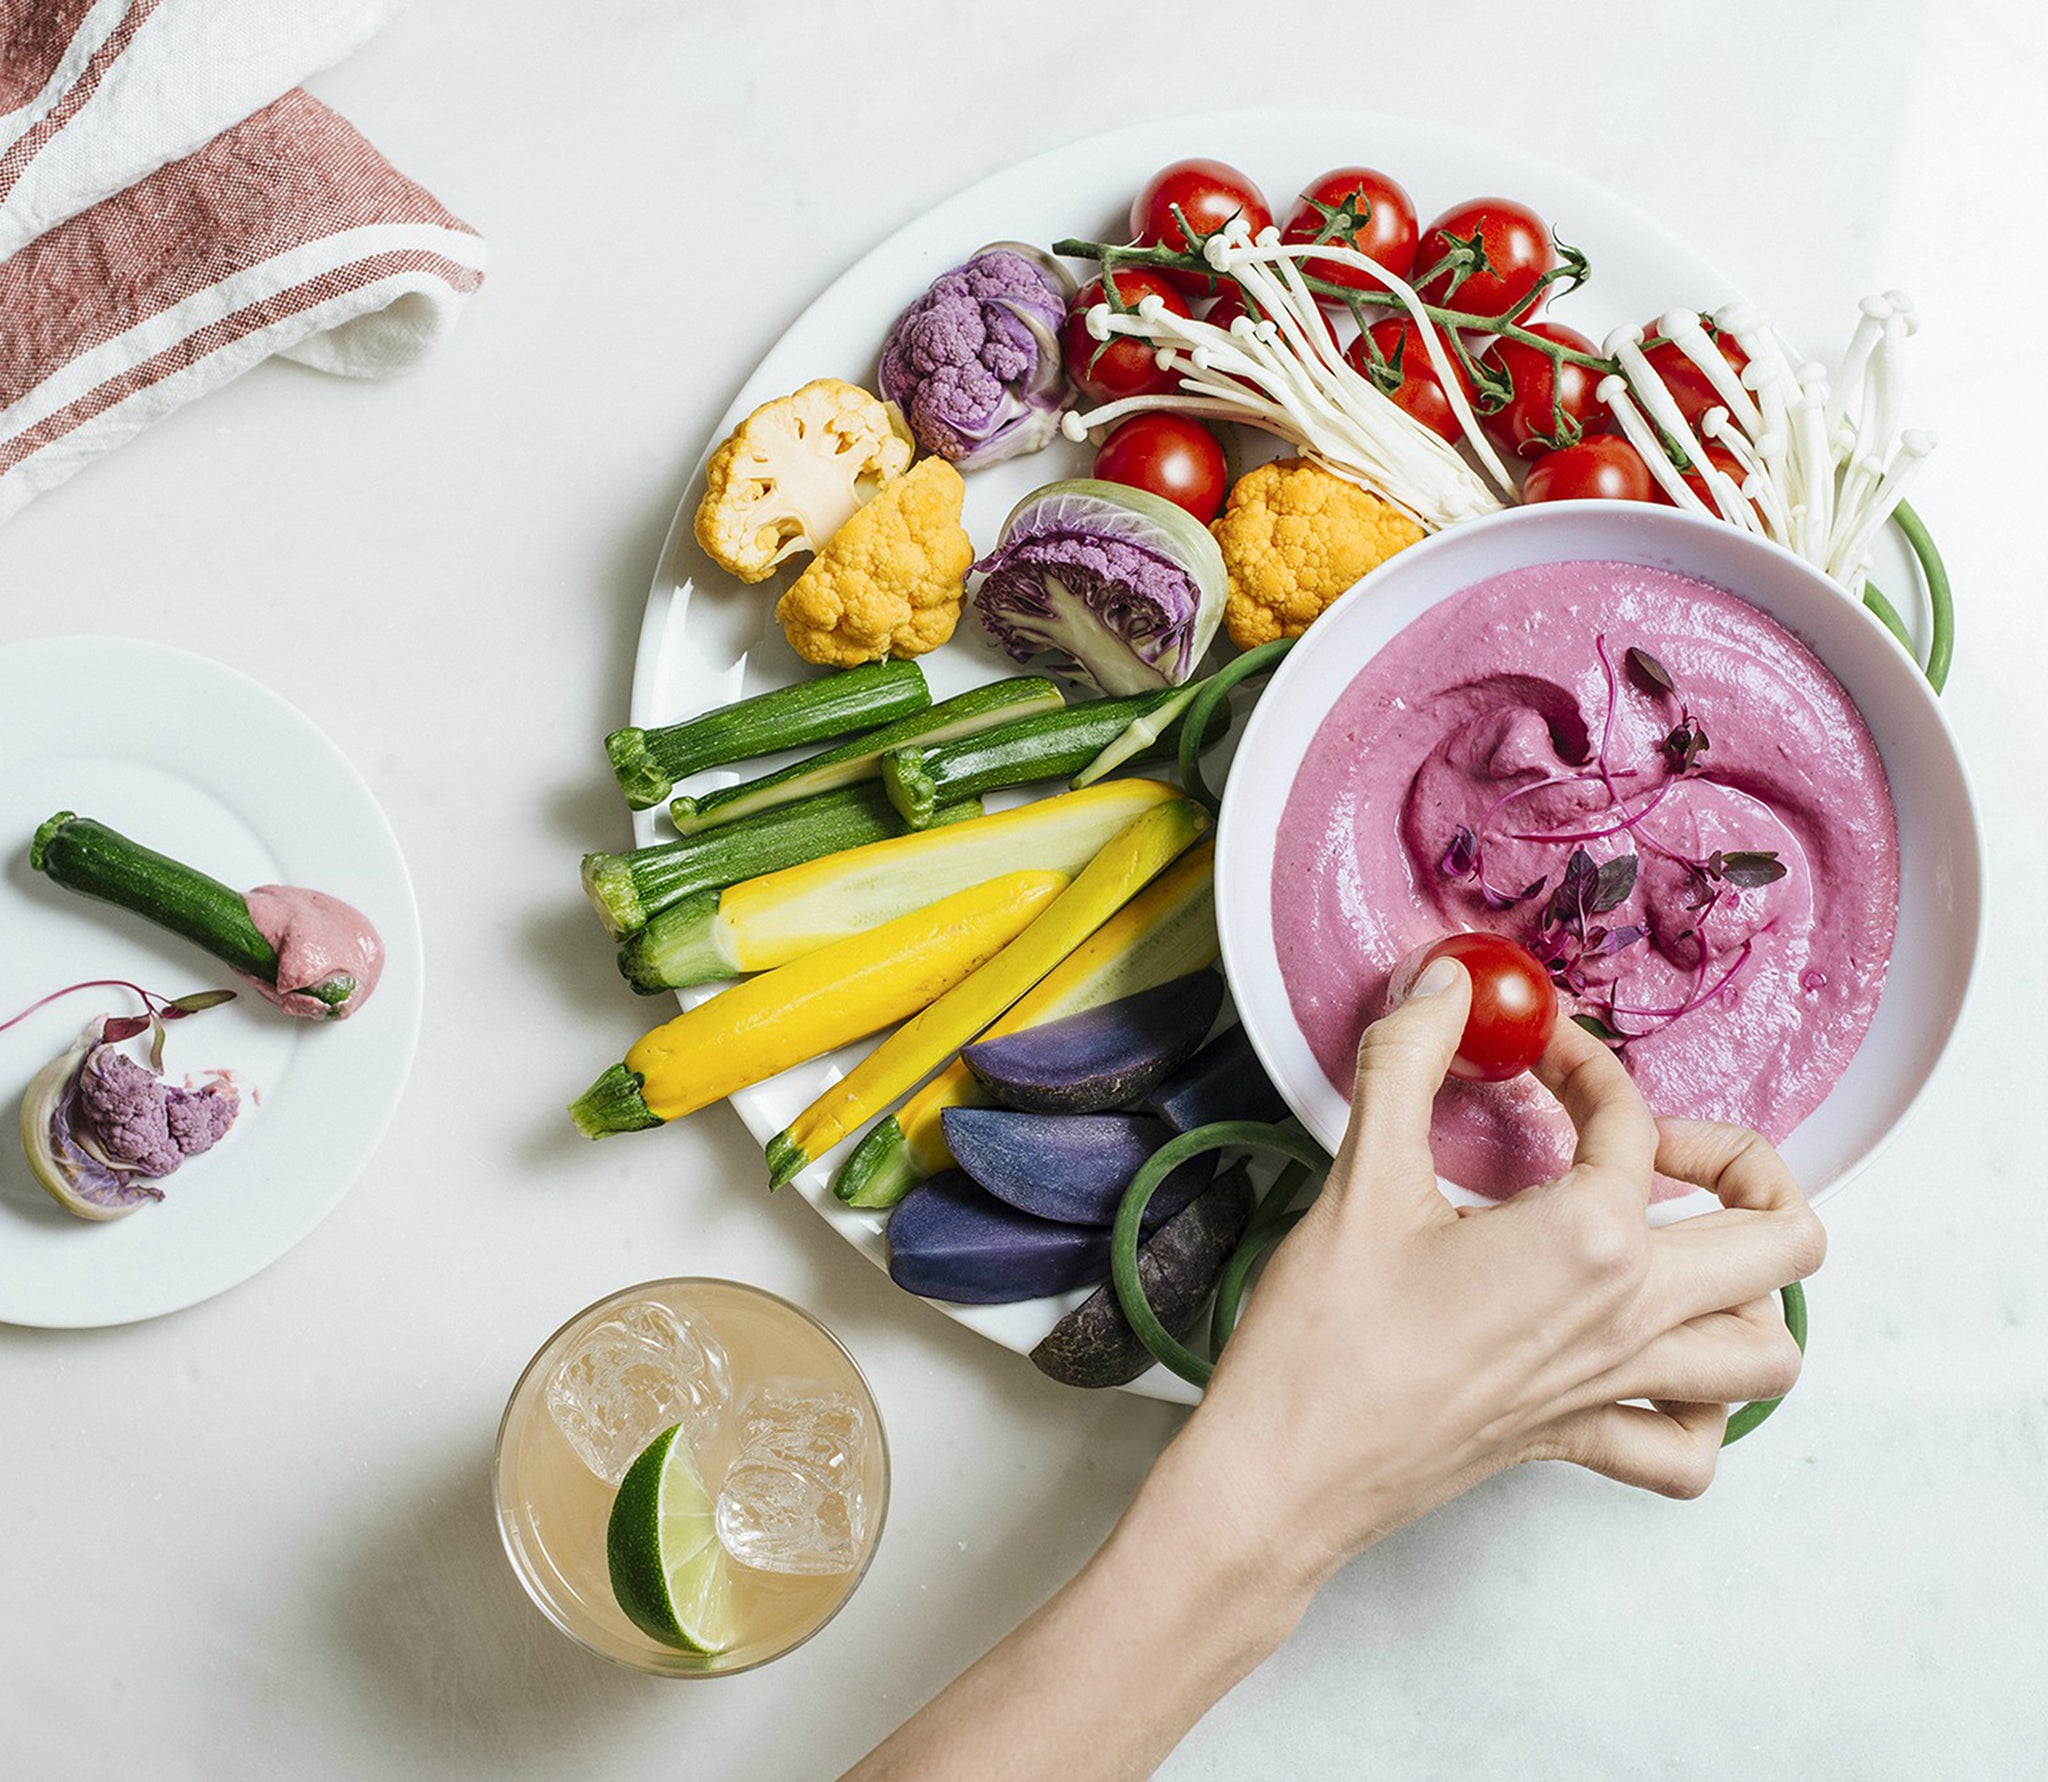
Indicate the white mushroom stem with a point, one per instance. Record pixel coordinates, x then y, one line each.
1824 460
1285 373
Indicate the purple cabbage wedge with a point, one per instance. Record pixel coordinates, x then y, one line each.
1111 583
975 362
100 1131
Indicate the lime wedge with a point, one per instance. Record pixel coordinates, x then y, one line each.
669 1571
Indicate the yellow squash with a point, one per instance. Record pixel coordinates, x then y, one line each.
832 997
1165 932
766 922
1131 860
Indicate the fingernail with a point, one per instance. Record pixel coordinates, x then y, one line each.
1440 975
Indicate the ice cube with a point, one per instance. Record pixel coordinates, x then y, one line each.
792 1500
628 1378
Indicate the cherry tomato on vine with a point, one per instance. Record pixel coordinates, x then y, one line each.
1500 249
1546 412
1229 305
1420 391
1722 460
1170 456
1208 194
1601 467
1514 1005
1689 385
1108 370
1385 228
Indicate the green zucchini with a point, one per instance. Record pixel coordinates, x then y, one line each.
95 861
631 889
674 948
981 708
1043 746
647 763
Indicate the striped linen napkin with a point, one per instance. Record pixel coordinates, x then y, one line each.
174 210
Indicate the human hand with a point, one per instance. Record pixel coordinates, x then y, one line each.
1397 1353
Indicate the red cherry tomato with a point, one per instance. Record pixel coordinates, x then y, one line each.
1420 391
1208 194
1601 467
1108 370
1386 229
1514 1006
1722 460
1690 387
1503 251
1229 305
1546 413
1170 456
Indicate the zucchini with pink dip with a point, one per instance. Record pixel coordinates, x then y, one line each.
309 953
1657 788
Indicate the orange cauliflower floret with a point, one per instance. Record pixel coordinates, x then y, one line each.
1294 537
793 472
890 581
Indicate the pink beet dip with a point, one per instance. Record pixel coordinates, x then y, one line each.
1526 720
317 939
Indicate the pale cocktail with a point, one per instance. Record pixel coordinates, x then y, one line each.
775 1423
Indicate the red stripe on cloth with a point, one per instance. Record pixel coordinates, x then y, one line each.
292 173
34 34
295 300
25 149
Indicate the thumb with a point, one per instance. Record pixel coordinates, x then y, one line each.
1402 1061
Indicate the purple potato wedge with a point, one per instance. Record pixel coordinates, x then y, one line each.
951 1240
1072 1168
1223 1081
1179 1265
1103 1057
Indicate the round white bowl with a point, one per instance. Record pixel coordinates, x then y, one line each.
1941 864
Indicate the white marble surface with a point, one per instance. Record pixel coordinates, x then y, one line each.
255 1538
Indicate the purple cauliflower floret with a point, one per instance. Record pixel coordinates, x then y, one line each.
975 362
139 1120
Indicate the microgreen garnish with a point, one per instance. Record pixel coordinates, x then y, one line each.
1569 933
157 1010
1686 743
1645 667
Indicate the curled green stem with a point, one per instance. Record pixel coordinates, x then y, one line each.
1941 638
1194 728
1740 1422
1251 1135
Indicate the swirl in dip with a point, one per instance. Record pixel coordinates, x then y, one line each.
1526 721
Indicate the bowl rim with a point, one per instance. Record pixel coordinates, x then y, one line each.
1243 870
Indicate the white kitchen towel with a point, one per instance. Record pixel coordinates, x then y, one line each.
173 211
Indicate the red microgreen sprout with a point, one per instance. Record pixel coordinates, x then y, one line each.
157 1010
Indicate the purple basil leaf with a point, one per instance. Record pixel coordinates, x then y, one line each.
124 1027
1506 900
1751 870
1461 858
1614 881
156 1047
1648 668
1626 936
1599 1029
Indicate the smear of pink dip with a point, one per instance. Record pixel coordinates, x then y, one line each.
315 937
1499 687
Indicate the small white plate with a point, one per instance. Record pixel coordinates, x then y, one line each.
1941 850
201 763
